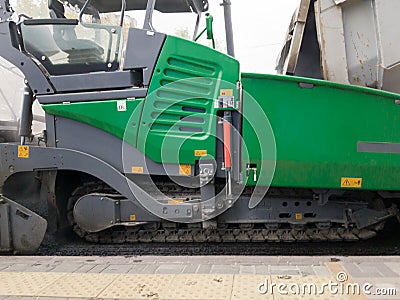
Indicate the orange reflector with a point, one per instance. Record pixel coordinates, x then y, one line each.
200 152
177 201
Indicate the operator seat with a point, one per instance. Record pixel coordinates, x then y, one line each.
80 51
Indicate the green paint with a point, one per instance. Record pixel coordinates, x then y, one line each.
103 115
317 130
179 115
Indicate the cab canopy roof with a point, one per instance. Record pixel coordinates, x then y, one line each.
165 6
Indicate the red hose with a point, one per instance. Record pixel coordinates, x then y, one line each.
227 144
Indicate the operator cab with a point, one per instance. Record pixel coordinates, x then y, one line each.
68 46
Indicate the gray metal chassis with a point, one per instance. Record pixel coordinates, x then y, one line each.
269 210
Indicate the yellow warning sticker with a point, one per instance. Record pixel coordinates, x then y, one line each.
226 93
200 152
23 151
175 201
137 170
185 170
132 217
351 182
299 216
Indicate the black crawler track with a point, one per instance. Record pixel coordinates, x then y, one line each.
223 233
69 244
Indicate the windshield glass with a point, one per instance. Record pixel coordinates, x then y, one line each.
66 49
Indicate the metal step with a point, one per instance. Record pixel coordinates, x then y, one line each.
21 230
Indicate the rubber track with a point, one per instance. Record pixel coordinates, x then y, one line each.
193 233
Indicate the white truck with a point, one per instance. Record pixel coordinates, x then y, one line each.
346 41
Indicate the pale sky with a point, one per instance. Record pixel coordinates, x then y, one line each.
260 27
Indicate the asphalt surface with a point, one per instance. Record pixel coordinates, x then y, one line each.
386 243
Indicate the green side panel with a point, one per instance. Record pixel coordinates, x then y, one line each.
317 126
179 115
103 115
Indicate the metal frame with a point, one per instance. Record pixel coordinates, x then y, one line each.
91 96
68 132
148 20
10 50
55 159
228 27
92 81
144 49
21 230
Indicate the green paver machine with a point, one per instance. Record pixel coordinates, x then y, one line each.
162 139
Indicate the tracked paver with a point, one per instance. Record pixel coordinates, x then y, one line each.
150 137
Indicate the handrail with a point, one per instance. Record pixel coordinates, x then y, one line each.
50 22
83 10
123 9
196 29
148 20
228 27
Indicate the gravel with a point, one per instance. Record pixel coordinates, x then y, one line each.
386 243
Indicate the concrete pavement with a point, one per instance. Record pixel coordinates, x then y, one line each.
199 277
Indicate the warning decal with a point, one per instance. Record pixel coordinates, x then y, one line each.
23 151
200 152
175 201
226 93
351 182
121 105
185 170
137 170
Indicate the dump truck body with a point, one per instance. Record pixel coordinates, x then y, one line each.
350 42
